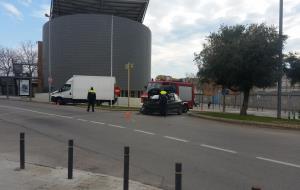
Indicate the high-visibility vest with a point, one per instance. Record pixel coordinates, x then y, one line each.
92 91
163 92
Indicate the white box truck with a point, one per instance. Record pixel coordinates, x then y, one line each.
75 90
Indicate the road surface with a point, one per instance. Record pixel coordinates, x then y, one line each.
214 155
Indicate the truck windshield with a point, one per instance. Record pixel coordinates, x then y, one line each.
171 88
153 85
66 87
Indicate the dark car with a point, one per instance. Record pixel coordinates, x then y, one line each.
152 105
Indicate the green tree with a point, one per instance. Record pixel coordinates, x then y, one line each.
293 67
240 57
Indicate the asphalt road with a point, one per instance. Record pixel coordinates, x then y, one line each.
214 155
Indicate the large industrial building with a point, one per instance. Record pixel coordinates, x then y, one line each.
97 37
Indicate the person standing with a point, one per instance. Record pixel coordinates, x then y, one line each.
163 100
91 97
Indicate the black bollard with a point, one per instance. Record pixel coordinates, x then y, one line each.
255 188
70 160
178 175
126 168
22 150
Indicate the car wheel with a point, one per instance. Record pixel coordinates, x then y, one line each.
185 108
143 110
179 112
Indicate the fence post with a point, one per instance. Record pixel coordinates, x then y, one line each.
70 159
22 150
294 115
126 168
178 175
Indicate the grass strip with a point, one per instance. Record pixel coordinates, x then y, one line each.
254 118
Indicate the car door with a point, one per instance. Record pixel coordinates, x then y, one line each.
171 102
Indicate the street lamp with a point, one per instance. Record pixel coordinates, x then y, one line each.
49 57
128 66
111 48
280 61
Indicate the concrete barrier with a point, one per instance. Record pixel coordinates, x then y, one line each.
134 102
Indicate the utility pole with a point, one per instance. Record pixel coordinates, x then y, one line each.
111 50
128 66
49 58
280 60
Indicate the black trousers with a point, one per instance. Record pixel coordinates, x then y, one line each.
163 109
91 104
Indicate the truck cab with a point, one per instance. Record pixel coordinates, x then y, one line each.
64 94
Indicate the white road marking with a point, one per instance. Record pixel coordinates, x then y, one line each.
218 148
34 111
117 126
176 139
278 162
145 132
96 122
63 116
82 120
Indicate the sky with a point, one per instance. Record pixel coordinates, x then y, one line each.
179 27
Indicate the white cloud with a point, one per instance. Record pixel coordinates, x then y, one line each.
12 10
179 27
26 2
40 13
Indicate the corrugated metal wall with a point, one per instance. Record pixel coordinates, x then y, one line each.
81 44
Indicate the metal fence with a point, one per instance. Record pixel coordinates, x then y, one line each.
290 101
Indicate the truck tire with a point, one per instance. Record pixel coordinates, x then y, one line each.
60 101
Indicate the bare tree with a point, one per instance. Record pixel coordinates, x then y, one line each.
27 56
6 59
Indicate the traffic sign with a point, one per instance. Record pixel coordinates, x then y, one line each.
50 80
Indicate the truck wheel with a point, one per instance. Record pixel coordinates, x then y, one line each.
60 101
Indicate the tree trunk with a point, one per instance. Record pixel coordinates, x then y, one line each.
7 96
6 80
245 102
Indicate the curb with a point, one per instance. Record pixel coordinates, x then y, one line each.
26 100
80 106
250 123
111 109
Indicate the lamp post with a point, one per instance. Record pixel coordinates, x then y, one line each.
280 61
111 49
128 66
49 58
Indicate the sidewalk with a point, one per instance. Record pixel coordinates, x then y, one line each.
46 178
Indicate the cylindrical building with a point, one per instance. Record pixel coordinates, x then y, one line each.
96 44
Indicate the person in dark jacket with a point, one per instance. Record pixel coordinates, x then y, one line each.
163 100
91 97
